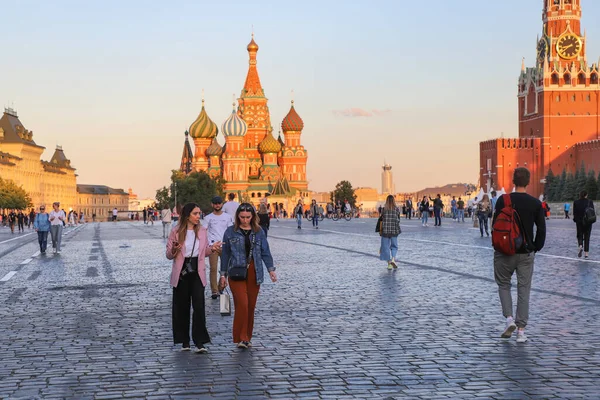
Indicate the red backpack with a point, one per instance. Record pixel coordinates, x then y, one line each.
507 237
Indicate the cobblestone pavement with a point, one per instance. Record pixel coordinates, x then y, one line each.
94 321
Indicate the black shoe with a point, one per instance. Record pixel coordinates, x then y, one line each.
214 296
580 252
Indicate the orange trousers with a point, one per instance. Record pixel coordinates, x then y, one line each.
245 294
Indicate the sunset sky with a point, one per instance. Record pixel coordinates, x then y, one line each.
117 83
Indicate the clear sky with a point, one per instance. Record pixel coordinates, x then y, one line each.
415 83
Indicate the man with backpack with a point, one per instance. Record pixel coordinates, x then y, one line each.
584 215
515 247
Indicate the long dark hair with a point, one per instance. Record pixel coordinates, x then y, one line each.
253 222
390 203
183 221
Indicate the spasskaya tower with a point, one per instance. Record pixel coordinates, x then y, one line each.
558 101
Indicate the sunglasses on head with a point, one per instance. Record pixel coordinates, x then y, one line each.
246 207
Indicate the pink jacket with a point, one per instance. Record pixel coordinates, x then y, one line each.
204 250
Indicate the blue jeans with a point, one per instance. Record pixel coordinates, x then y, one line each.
388 245
437 212
483 222
315 220
424 216
460 215
299 219
43 240
454 213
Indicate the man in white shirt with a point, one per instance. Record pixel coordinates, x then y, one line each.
57 219
216 223
165 216
114 214
231 206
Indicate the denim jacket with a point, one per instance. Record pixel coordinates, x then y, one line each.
234 252
42 222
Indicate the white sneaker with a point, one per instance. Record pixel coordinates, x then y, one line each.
510 328
521 337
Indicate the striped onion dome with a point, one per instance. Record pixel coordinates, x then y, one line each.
234 125
292 121
214 149
203 127
269 145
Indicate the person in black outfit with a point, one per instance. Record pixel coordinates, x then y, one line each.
263 218
583 230
531 213
437 209
21 221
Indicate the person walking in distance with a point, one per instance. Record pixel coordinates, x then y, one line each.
187 246
567 208
231 206
437 209
409 208
145 215
484 208
424 210
41 224
216 224
263 218
115 212
165 216
12 220
582 209
460 210
245 248
31 218
530 213
21 221
57 220
453 208
314 212
389 231
299 213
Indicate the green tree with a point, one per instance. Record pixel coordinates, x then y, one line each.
581 180
591 185
570 188
551 186
344 191
560 188
13 196
163 198
197 187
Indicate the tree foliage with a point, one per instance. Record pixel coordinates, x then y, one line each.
13 196
568 186
591 186
344 191
197 187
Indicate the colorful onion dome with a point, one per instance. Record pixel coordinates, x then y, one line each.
292 121
203 127
269 144
214 149
234 125
252 46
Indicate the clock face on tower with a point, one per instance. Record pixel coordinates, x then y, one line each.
542 50
568 46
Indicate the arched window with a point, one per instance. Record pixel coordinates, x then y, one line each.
581 79
259 194
555 79
594 79
567 78
573 98
253 195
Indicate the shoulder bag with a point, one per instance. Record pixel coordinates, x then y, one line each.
240 273
188 267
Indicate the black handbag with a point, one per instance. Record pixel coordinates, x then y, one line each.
378 226
188 266
240 273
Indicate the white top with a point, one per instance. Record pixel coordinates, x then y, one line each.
217 225
165 215
56 214
115 212
231 207
189 243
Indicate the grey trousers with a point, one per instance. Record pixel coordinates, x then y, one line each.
56 233
504 267
166 229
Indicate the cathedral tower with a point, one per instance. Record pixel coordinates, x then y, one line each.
235 161
294 156
203 130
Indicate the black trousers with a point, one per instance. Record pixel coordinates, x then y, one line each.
21 226
189 292
583 235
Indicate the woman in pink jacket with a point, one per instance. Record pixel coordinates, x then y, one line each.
187 246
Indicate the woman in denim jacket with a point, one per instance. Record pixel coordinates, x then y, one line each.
41 224
238 240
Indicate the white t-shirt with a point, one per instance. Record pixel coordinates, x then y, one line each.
115 212
231 207
56 215
217 225
189 244
165 215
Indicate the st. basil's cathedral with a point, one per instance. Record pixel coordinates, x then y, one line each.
558 107
251 161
